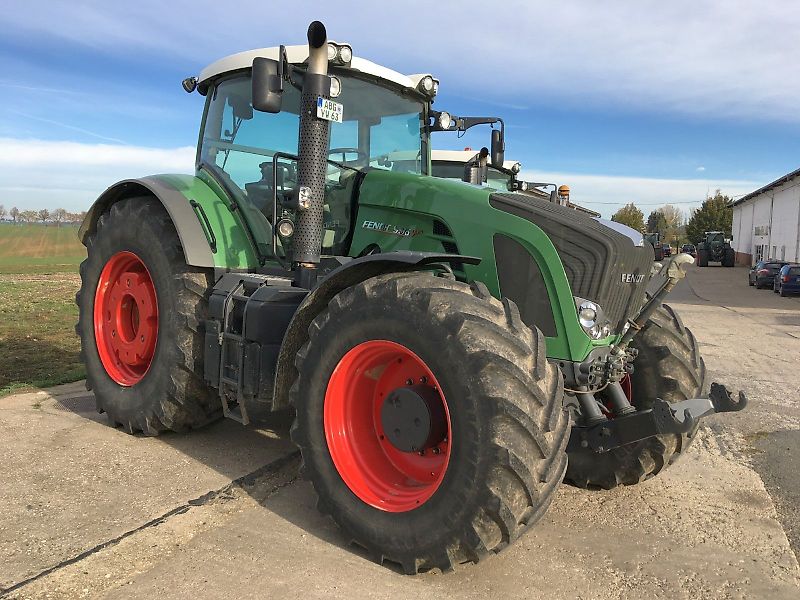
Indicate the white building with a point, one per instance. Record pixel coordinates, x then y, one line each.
766 222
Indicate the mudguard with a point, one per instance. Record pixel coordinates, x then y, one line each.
350 273
210 233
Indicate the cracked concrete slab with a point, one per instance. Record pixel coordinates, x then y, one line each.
71 482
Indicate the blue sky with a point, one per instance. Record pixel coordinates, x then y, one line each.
643 101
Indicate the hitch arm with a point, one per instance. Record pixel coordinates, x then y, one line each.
663 418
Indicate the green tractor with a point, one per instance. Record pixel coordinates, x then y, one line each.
654 239
451 353
715 248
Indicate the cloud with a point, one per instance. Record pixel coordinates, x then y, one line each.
47 174
70 175
700 169
606 193
687 57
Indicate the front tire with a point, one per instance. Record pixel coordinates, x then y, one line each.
140 314
506 427
669 366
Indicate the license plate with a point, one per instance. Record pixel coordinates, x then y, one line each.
329 110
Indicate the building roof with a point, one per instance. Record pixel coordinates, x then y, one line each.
298 55
768 187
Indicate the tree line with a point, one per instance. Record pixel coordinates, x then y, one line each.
715 214
57 216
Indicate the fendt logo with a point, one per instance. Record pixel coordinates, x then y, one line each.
632 278
391 229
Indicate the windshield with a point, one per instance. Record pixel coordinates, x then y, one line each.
238 145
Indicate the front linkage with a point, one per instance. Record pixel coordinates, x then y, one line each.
629 425
663 418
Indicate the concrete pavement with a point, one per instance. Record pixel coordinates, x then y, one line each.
88 511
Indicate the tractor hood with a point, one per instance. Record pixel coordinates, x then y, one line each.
602 264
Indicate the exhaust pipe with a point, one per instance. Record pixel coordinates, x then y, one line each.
312 159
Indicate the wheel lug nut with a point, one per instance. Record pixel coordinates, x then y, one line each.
422 452
409 381
423 379
436 450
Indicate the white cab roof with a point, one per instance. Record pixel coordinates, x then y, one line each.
299 55
462 156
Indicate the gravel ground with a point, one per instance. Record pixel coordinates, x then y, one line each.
87 511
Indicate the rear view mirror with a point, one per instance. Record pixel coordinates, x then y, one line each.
267 80
498 148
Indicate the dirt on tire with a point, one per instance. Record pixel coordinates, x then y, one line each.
505 399
172 394
669 366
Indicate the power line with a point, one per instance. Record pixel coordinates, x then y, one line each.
646 203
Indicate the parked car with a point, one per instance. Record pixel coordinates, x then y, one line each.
787 281
690 250
762 275
667 250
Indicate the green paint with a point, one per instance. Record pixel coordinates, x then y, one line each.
409 201
234 249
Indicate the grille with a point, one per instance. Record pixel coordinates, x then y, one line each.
595 258
449 246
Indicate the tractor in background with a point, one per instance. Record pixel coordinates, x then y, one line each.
715 248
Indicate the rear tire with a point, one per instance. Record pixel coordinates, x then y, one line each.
729 259
702 258
170 393
504 399
783 293
669 366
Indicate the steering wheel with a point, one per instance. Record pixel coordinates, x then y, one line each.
361 157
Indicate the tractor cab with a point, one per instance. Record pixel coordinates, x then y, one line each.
252 154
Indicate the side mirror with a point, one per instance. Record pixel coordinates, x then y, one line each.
267 80
498 148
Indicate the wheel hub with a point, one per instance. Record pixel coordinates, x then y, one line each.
375 396
413 418
125 318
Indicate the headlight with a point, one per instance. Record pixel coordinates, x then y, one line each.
516 168
445 120
345 54
587 314
285 228
339 55
336 87
592 319
428 86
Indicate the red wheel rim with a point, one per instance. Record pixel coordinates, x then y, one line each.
374 470
125 318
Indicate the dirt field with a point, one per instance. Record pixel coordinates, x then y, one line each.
87 511
39 249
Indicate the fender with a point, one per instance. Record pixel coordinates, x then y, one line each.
194 240
351 273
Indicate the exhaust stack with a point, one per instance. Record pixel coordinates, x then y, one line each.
312 158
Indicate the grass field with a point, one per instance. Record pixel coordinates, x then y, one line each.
39 249
38 281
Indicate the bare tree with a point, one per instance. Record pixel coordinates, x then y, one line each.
43 215
28 216
14 213
59 215
2 212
